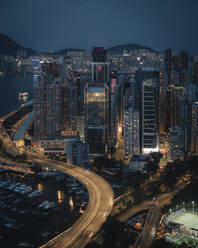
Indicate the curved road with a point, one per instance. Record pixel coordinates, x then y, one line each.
99 207
100 200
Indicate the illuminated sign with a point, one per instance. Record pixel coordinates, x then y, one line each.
113 84
99 67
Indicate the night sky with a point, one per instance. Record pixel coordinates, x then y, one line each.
58 24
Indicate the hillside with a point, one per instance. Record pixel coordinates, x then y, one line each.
10 47
66 50
128 47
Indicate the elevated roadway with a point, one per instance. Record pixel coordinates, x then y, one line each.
99 207
100 199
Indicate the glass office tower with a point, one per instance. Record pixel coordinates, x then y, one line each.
97 116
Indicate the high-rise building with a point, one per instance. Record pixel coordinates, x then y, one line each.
168 60
194 129
97 104
113 110
176 143
69 108
195 73
54 109
100 69
169 111
99 54
46 96
40 109
148 100
131 133
48 109
184 60
162 101
150 115
97 116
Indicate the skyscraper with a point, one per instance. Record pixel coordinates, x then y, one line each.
176 143
168 60
97 116
99 54
148 89
194 129
54 109
150 115
40 109
69 107
100 69
131 133
97 104
55 106
48 109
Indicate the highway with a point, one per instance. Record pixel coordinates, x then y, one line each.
148 233
145 205
100 204
7 141
99 207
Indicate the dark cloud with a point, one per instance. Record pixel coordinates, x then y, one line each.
49 24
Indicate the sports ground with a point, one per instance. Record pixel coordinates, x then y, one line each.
190 220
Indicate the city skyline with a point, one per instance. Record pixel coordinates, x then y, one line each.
99 123
46 25
130 117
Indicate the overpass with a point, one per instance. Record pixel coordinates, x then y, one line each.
99 207
100 199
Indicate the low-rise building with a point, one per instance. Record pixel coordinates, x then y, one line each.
77 153
138 162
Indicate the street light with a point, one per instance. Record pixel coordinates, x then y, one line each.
193 204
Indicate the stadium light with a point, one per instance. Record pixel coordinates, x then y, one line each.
193 204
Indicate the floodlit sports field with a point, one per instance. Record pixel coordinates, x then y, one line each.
190 220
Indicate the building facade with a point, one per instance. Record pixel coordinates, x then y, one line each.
97 116
150 116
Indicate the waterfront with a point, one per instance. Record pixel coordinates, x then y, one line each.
35 208
10 89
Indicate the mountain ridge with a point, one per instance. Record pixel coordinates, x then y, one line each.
9 47
129 47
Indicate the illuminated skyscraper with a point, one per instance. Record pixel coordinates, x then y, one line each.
69 108
54 109
45 97
149 116
97 117
148 88
100 69
40 109
48 109
131 133
97 104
